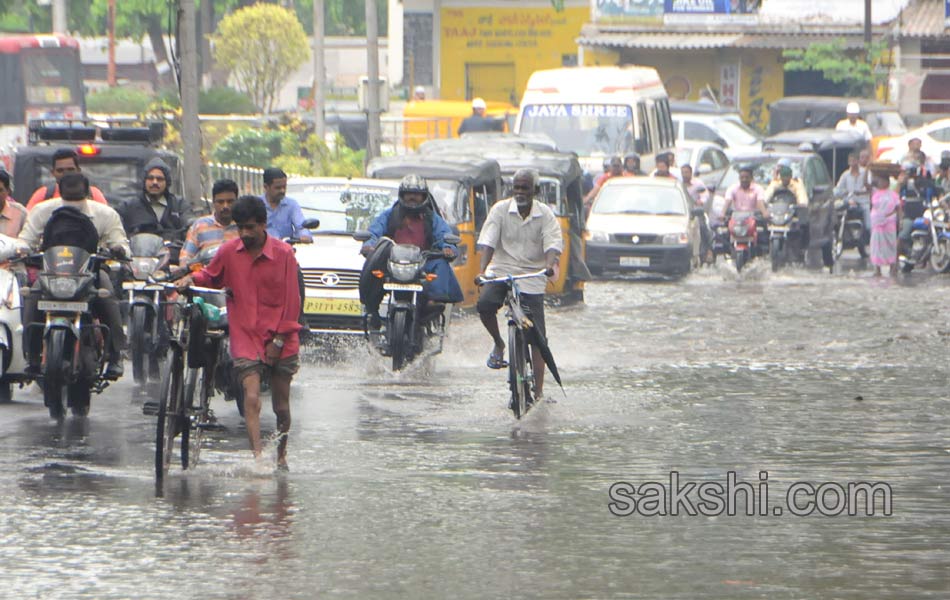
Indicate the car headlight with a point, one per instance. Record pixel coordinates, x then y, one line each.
61 288
404 271
673 239
597 236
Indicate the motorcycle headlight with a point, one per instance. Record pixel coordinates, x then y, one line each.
781 218
404 271
673 239
61 288
143 266
597 236
739 229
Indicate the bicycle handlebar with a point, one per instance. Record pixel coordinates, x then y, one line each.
542 273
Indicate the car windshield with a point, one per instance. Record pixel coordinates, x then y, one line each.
640 200
343 209
736 133
587 129
763 173
118 180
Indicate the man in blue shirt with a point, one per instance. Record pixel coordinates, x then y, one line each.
284 216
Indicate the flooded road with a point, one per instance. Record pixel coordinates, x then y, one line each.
424 486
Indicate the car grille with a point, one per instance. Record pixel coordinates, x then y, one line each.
321 278
642 238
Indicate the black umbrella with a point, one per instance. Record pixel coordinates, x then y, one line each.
537 339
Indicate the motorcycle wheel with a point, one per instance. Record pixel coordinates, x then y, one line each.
775 254
940 257
6 393
399 340
741 258
54 389
79 396
137 324
907 267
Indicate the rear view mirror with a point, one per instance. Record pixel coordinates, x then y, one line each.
452 239
311 223
705 169
362 236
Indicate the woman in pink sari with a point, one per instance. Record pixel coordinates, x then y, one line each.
885 206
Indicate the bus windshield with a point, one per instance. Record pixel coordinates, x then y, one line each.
51 78
587 129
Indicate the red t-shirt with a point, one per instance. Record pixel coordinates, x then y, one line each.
411 231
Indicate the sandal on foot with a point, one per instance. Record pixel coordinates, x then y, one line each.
496 361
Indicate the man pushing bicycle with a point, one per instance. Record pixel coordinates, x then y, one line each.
520 236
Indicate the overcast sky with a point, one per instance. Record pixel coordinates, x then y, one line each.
837 10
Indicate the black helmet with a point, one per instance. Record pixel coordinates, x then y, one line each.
631 156
413 184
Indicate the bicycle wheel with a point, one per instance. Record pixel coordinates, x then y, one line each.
516 370
168 413
198 398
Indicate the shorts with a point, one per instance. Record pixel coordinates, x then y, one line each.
492 297
246 366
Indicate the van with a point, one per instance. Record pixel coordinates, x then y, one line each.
597 112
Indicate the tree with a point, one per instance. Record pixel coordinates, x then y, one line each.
860 72
261 45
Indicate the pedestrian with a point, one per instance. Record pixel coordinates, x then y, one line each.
885 215
854 123
477 121
65 161
419 94
263 307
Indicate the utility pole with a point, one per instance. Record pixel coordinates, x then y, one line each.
110 69
373 130
319 72
867 24
190 130
59 16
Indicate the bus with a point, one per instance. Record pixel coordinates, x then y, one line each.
599 112
41 78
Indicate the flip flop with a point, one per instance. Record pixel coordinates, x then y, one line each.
496 361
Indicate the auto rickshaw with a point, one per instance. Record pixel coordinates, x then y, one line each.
833 146
436 119
464 189
561 176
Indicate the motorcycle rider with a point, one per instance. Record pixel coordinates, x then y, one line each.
631 165
75 196
942 179
698 191
785 181
412 219
64 162
157 210
616 170
853 186
745 196
916 191
216 228
663 165
12 213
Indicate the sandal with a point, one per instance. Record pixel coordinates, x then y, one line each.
496 361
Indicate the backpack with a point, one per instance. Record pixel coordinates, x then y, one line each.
69 226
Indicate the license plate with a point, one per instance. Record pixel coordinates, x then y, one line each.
332 306
402 287
776 228
140 286
63 306
634 261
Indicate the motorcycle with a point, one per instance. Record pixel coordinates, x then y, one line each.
743 231
148 303
11 331
74 342
408 323
849 231
940 237
929 241
784 230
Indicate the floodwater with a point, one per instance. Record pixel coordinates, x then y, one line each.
424 486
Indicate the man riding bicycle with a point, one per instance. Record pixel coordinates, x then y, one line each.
519 236
413 219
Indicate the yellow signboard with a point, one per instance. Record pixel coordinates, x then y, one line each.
491 52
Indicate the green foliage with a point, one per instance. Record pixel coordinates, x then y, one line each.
225 101
336 161
255 147
856 70
119 100
261 45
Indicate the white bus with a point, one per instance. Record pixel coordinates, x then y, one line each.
599 112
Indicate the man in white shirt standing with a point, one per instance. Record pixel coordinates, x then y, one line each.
520 236
854 122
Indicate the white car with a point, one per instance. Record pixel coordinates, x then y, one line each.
331 265
934 138
708 160
641 224
697 122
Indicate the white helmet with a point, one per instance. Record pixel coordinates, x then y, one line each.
852 108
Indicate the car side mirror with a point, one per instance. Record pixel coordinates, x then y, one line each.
705 169
452 239
362 236
311 223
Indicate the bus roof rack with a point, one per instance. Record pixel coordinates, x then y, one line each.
95 131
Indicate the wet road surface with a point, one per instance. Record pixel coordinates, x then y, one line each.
423 485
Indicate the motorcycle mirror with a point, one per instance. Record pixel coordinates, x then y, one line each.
311 223
452 239
362 236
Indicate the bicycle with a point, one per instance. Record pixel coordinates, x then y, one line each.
196 339
520 365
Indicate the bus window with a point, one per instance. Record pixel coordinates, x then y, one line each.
645 137
668 137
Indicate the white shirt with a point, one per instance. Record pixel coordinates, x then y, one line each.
104 217
860 127
520 244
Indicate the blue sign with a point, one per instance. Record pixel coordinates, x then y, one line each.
702 7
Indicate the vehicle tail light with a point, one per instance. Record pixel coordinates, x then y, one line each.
89 150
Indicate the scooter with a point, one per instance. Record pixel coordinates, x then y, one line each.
743 231
849 229
12 361
148 305
783 228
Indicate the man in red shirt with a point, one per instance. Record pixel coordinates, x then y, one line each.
263 310
65 161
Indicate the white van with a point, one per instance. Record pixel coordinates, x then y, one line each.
599 112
